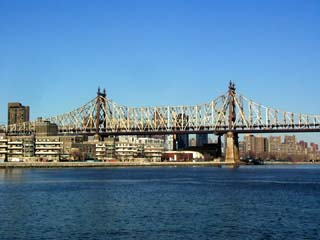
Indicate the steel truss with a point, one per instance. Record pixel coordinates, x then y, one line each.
103 116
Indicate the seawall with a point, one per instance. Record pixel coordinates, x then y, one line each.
106 164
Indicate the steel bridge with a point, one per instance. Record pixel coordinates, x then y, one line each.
230 113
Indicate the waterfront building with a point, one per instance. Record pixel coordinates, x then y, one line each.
168 142
17 113
126 151
20 148
182 156
152 148
3 148
105 150
70 146
15 150
48 148
87 149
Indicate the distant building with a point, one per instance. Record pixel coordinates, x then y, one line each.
275 145
261 145
180 123
202 139
46 128
303 144
182 156
250 143
151 148
289 145
183 141
242 149
253 146
17 113
314 147
168 142
192 142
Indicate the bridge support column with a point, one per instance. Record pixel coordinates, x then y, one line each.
232 148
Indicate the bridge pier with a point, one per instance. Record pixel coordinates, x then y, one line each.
232 148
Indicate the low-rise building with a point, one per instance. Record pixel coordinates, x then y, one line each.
48 148
3 148
126 151
19 148
105 150
152 148
182 156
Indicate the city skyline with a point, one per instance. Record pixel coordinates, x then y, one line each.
54 56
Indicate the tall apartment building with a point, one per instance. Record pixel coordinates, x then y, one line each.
290 145
261 144
275 144
250 143
17 113
256 145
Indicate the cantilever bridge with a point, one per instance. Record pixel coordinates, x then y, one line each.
230 114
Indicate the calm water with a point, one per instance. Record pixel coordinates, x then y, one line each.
161 203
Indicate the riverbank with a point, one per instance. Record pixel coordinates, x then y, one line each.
107 164
128 164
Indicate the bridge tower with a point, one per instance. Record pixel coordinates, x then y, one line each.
100 112
232 144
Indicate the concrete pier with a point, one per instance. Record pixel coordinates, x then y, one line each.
232 148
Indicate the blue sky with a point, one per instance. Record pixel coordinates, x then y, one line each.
54 54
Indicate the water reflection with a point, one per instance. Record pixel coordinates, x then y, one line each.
11 175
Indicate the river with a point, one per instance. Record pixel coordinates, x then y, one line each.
251 202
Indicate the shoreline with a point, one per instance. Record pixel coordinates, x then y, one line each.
7 165
107 164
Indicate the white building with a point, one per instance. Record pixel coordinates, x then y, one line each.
3 148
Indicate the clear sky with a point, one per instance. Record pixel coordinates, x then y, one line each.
55 53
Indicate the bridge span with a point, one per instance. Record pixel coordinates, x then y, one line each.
229 114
